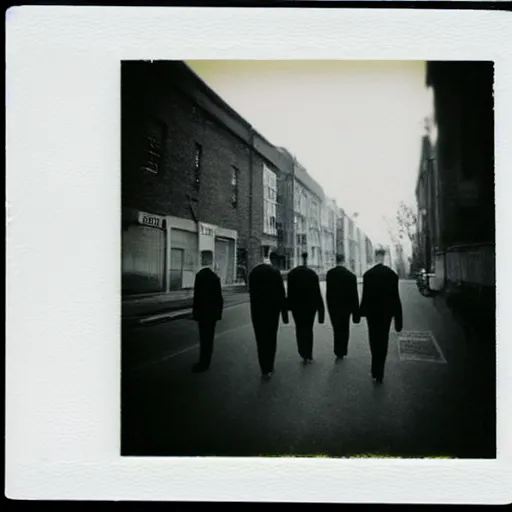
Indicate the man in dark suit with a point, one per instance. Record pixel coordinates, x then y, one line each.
207 309
305 301
342 301
380 304
268 301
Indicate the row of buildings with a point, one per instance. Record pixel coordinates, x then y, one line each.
455 187
198 177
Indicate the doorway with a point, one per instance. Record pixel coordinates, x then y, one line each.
176 270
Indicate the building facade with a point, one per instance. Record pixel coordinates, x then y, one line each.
196 177
456 229
341 233
286 238
427 198
350 244
370 252
308 199
329 228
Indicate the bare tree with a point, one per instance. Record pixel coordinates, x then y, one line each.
407 220
405 229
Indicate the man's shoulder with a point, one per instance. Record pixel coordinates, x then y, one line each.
301 272
389 271
338 272
379 271
348 272
369 272
256 271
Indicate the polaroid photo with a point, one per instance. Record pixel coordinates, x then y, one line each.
252 255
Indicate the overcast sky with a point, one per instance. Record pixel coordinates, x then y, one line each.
356 126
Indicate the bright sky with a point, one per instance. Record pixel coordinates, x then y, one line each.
356 126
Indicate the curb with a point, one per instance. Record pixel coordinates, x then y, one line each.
170 315
165 316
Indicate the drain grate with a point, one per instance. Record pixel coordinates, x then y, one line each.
419 346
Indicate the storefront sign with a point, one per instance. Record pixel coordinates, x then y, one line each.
206 237
206 230
151 220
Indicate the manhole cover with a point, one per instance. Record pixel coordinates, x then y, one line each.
419 346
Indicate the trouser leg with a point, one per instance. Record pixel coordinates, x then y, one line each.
206 337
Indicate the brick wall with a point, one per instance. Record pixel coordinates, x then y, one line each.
150 93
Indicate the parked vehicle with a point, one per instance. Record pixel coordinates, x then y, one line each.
422 282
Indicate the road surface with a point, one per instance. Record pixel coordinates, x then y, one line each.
329 408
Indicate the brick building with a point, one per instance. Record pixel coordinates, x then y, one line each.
195 177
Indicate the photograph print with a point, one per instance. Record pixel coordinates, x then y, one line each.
308 259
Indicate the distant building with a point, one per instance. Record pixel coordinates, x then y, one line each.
369 253
388 258
341 233
329 211
308 199
350 244
400 265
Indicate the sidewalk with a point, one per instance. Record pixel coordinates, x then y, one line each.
149 308
176 304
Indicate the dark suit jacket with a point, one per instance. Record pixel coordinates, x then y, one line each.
342 295
304 295
208 300
381 298
266 292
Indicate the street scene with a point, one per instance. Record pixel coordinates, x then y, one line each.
332 295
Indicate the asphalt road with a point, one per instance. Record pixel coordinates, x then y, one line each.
329 408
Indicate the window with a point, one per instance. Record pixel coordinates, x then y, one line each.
269 201
234 186
153 147
198 155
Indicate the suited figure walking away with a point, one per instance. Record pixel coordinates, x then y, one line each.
305 301
267 300
207 309
380 304
342 302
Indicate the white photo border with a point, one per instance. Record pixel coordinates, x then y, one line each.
63 247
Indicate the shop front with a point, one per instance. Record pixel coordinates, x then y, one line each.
189 241
143 253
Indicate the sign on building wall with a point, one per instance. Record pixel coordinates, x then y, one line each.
206 237
148 219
